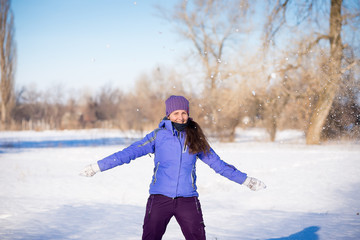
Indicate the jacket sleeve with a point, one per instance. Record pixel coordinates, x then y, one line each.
135 150
221 167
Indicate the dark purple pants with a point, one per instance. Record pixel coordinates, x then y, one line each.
160 209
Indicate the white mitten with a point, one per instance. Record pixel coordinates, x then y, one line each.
254 184
90 170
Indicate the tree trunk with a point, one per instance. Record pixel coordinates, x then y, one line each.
326 97
318 117
3 116
7 61
272 128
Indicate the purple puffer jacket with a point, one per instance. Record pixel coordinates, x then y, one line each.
175 168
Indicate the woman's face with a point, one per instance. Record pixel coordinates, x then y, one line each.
179 116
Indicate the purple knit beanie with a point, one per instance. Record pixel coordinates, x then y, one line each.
174 103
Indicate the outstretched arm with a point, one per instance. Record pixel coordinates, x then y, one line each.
230 172
135 150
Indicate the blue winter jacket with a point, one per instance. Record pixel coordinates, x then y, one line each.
175 168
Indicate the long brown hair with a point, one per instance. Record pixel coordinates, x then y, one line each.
196 139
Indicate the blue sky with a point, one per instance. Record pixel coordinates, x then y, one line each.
90 43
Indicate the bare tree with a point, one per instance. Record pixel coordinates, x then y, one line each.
309 11
212 27
30 109
54 105
151 90
7 60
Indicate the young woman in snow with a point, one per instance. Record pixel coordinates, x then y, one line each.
177 144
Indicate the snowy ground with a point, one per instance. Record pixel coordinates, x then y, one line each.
312 191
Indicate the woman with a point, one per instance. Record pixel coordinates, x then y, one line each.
177 144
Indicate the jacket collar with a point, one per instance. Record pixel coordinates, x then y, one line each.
165 123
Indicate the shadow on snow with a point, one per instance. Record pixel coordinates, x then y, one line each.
309 233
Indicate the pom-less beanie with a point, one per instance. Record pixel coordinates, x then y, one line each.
174 103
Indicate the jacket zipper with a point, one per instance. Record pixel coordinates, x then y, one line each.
177 186
155 172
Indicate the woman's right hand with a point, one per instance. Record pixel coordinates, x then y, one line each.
90 170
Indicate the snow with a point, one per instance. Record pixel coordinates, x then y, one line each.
312 191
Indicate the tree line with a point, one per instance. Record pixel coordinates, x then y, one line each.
301 73
239 106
